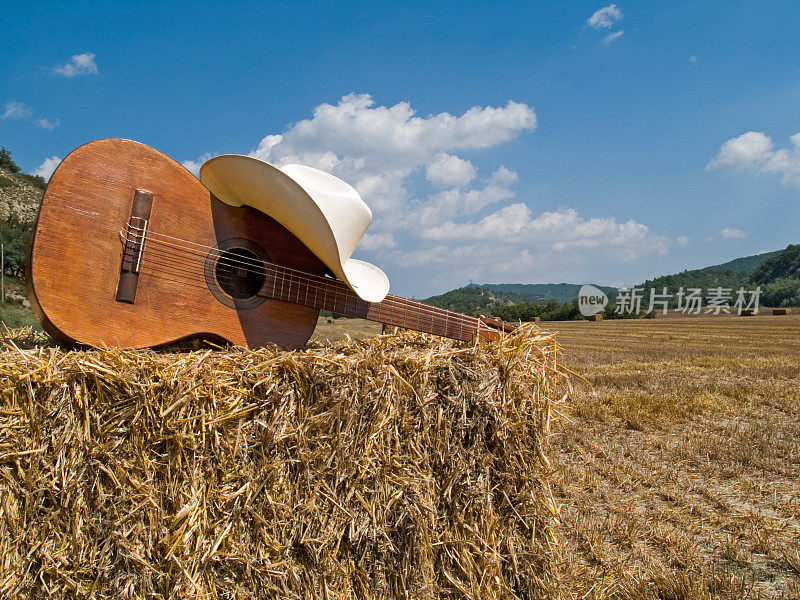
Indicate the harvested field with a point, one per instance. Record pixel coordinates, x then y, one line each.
403 466
678 474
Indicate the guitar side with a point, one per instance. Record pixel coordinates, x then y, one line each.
78 248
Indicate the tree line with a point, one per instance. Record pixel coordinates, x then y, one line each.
779 278
7 163
15 235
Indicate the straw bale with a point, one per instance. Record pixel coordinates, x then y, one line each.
401 466
595 317
781 311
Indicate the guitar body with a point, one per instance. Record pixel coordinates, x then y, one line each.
78 256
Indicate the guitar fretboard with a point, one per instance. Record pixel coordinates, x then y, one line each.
325 293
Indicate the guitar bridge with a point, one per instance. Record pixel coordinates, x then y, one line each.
134 240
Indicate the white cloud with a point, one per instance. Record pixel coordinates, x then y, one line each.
682 240
451 266
744 152
378 148
612 36
455 202
17 110
354 127
377 241
448 170
512 244
692 59
560 230
755 151
47 167
45 123
605 17
20 110
194 165
729 233
447 265
79 64
786 163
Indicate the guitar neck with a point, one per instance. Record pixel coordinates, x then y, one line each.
324 293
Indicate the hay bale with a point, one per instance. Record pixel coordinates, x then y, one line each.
536 319
401 466
781 311
748 312
595 317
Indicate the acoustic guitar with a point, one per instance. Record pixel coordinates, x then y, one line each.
131 250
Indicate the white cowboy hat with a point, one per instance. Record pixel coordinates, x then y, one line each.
322 211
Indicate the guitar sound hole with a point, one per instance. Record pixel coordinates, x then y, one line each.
239 273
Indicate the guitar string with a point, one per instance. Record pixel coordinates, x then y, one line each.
443 319
441 314
152 268
426 323
259 265
427 320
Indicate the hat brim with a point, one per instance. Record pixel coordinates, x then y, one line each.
241 180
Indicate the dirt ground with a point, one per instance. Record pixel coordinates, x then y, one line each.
676 463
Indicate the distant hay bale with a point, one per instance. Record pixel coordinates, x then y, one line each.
401 466
535 319
595 317
781 311
748 312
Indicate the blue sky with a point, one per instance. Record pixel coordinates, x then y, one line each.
510 142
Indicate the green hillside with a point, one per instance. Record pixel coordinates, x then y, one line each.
777 272
779 266
746 264
779 278
473 300
565 292
20 193
20 196
511 307
734 274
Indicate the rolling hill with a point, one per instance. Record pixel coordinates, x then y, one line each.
778 272
20 195
474 300
745 264
565 292
732 274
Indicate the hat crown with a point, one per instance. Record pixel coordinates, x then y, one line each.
346 213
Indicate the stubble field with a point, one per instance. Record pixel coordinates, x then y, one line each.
676 462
